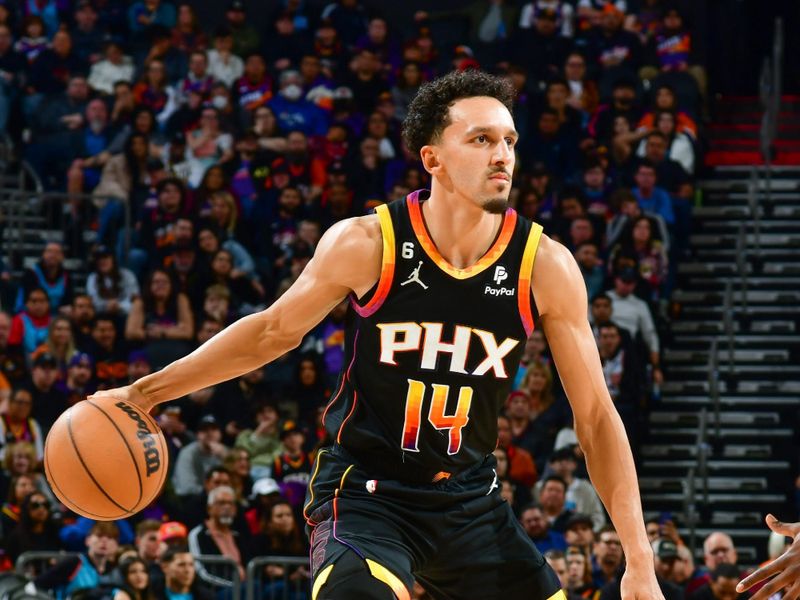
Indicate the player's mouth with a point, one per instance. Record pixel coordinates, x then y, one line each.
500 177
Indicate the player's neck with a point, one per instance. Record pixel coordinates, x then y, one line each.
461 230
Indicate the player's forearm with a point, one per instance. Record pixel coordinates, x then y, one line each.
610 464
246 345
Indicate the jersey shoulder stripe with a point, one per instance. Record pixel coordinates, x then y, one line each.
526 274
387 266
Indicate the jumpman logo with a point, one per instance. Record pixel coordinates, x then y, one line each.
494 485
414 277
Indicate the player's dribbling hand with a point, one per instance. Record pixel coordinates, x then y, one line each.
786 567
128 393
640 584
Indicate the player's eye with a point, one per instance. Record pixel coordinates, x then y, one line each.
510 142
481 139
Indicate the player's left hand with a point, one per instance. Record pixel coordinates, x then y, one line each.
639 583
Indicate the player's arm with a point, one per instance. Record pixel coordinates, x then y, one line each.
348 258
561 300
785 568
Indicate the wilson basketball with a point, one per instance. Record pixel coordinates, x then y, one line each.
105 459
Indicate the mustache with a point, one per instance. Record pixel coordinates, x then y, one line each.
497 170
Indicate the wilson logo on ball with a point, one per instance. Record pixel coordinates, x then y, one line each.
152 458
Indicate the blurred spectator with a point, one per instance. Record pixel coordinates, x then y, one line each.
89 570
292 467
115 67
579 573
154 92
722 584
623 104
254 87
12 361
17 425
520 494
21 459
633 315
112 288
652 198
216 537
587 255
60 343
618 52
81 315
135 580
639 249
237 462
629 209
565 15
12 71
623 373
187 35
143 14
583 94
33 39
405 88
266 492
538 529
521 465
293 111
581 496
578 532
535 352
607 553
197 79
680 145
48 401
281 536
664 99
207 145
20 487
541 50
558 562
718 548
553 500
197 458
180 579
37 529
548 413
78 382
246 38
262 442
669 173
109 353
148 543
223 64
665 553
49 275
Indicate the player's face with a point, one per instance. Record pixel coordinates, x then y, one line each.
475 154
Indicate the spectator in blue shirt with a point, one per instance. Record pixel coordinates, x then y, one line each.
651 197
538 529
295 113
146 13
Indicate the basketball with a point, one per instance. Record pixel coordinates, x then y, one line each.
105 459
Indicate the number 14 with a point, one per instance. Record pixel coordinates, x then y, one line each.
436 414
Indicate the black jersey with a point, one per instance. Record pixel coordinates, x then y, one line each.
432 350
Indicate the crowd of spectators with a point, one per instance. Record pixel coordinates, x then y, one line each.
208 161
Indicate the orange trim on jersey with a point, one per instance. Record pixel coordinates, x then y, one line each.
499 246
311 488
387 266
345 378
350 414
441 475
525 275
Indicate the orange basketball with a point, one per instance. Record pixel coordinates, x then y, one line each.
105 459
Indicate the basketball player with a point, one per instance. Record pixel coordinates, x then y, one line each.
786 567
444 288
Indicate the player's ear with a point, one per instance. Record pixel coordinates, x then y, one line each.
430 159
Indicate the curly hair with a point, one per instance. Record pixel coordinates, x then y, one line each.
429 112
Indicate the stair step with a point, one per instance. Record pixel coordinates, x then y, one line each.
736 184
753 296
725 418
753 311
742 371
709 327
717 484
684 450
693 356
728 400
765 239
719 465
746 339
719 498
743 386
767 432
766 226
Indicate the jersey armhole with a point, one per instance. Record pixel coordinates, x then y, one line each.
525 298
387 266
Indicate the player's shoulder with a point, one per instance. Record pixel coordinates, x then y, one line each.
557 281
356 234
350 253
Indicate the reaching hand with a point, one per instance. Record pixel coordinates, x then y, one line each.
129 393
785 568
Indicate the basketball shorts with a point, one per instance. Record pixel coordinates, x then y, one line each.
457 537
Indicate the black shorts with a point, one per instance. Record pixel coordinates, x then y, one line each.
457 537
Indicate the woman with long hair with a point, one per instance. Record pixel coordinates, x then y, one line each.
639 248
17 425
309 391
281 536
161 313
547 413
187 35
153 91
583 94
409 80
215 180
36 531
237 461
135 580
21 459
535 351
60 343
207 145
245 298
11 512
112 288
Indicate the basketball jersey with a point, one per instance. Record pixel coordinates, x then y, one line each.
432 350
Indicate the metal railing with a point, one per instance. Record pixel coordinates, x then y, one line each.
31 564
262 586
224 572
770 88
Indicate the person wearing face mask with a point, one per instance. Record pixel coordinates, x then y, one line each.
293 111
216 536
